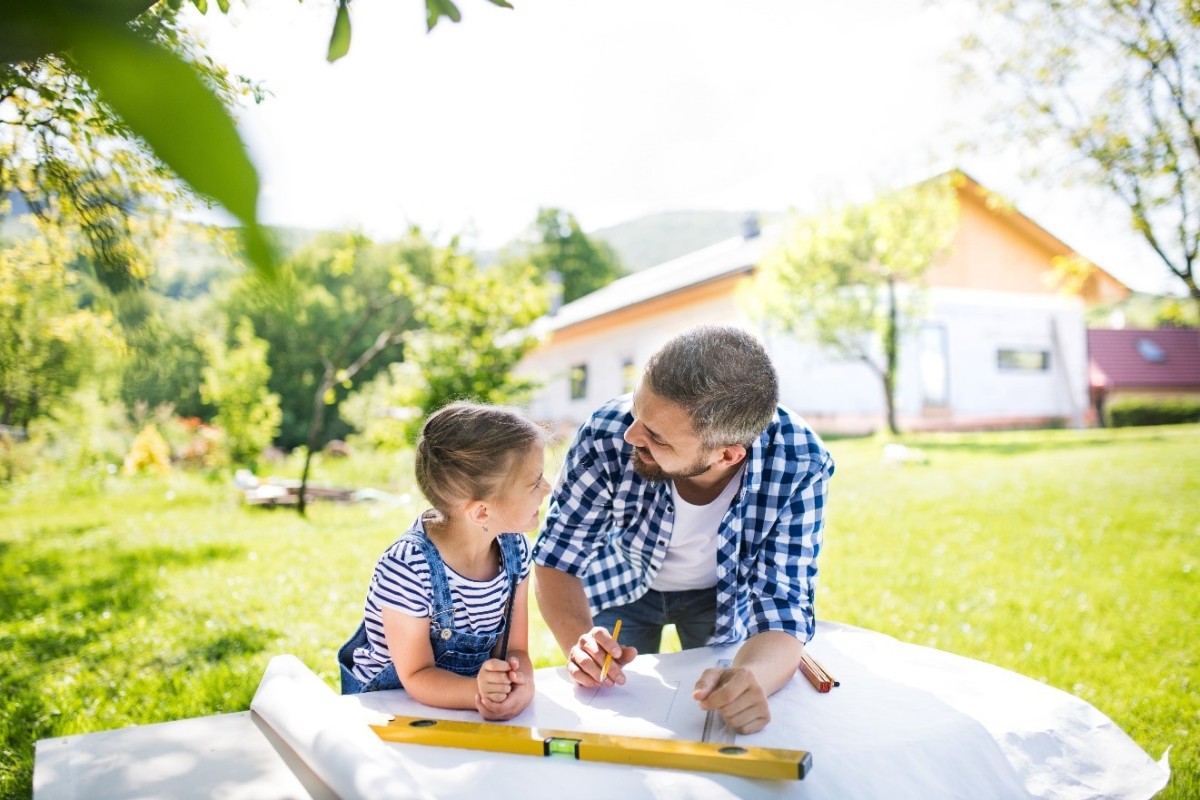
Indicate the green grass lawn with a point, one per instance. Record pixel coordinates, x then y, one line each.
1072 557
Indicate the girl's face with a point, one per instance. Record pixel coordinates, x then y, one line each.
516 510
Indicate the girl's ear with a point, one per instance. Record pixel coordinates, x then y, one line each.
477 512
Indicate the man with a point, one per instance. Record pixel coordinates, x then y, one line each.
698 501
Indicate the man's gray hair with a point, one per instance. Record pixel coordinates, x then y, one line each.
722 377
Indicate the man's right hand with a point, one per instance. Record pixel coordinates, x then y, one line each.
585 662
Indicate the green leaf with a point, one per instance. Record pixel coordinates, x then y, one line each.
223 5
339 41
201 5
436 9
501 3
162 98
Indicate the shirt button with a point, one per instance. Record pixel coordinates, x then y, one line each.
670 508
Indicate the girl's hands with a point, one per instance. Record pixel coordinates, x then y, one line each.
495 679
504 691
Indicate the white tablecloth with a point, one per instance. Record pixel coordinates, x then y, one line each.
906 722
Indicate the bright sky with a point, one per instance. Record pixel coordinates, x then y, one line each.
613 109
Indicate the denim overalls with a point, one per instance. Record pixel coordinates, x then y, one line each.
460 652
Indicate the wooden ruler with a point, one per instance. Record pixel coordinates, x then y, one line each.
747 762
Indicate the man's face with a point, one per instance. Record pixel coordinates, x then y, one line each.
665 447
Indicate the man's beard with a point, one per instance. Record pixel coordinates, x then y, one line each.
653 472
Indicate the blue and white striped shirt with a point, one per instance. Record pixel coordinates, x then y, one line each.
612 528
401 582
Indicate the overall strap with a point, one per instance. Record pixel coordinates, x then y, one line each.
438 581
510 554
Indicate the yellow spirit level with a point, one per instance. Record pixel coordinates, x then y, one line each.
747 762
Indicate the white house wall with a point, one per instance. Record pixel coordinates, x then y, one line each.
605 355
837 395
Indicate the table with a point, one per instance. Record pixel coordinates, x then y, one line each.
907 721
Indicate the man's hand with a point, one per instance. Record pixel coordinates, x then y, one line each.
736 695
585 661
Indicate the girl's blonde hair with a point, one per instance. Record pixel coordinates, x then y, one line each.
467 450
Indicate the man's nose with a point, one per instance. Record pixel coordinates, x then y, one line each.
634 435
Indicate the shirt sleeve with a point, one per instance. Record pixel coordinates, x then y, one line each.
783 583
401 581
526 558
580 508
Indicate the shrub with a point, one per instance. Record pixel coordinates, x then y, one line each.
1131 411
149 452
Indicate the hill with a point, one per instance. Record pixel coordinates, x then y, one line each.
655 238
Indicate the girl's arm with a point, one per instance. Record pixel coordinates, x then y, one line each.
521 676
408 642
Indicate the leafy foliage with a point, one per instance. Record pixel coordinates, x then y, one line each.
312 310
561 249
473 330
148 453
1130 411
1114 88
235 382
48 345
846 279
88 143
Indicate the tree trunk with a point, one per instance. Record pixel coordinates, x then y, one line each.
891 336
1194 292
315 426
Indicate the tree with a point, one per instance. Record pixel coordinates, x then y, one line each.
152 91
319 304
48 345
472 330
94 136
235 383
1114 85
345 363
560 246
164 362
845 279
472 327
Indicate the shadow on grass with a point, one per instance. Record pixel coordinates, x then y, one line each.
58 581
62 607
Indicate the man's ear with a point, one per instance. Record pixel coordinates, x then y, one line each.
732 454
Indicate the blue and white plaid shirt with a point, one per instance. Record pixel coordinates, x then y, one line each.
612 528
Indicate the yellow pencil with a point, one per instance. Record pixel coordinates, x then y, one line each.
608 658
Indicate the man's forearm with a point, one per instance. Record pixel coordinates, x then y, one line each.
563 605
772 656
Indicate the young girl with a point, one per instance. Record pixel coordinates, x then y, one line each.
451 592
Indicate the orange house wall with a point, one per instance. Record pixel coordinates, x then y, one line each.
998 249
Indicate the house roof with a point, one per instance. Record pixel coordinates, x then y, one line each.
1128 358
729 257
732 256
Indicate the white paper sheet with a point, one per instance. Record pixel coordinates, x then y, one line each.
906 722
333 740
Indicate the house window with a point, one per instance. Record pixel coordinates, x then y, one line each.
935 384
629 375
1150 351
578 378
1023 359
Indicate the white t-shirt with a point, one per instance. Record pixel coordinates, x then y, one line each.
691 561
